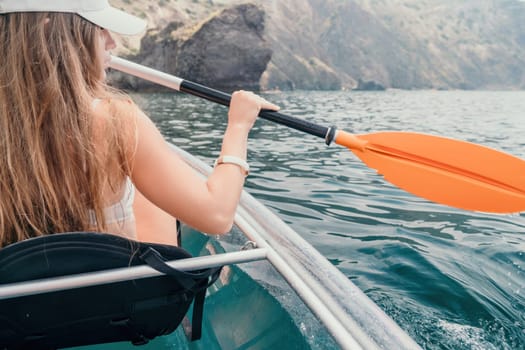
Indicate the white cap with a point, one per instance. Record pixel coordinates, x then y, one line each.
99 12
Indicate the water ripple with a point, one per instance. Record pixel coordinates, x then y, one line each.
453 279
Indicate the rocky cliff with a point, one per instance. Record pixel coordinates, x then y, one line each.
334 44
226 51
407 44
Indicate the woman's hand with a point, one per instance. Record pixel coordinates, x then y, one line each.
245 107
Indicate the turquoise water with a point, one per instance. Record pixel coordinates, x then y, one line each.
452 279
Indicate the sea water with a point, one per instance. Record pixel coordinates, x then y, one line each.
452 279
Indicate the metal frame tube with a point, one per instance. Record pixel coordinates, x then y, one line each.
315 302
14 290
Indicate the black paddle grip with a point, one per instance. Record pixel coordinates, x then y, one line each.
295 123
205 92
276 117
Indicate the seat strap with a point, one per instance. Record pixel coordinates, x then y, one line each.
198 313
197 282
179 233
156 261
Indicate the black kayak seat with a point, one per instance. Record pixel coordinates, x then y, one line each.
134 310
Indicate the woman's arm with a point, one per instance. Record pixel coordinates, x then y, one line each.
166 180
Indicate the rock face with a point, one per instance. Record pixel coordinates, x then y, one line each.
331 44
226 52
405 44
368 86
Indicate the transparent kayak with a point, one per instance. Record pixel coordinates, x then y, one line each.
275 291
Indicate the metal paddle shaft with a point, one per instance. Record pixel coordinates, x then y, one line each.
212 95
447 171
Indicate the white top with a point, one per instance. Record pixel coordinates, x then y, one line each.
119 216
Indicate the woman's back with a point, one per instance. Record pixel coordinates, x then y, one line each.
55 161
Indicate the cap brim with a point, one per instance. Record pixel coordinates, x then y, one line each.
115 20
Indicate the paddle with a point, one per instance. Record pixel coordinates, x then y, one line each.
447 171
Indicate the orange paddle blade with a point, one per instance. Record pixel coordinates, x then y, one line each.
456 173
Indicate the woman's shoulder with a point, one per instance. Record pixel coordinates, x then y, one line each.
115 106
120 113
115 119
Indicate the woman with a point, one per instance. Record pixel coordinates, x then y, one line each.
73 152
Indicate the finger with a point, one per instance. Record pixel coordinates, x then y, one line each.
268 105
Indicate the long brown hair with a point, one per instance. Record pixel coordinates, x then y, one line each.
51 171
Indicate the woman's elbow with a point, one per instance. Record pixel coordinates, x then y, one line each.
220 224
